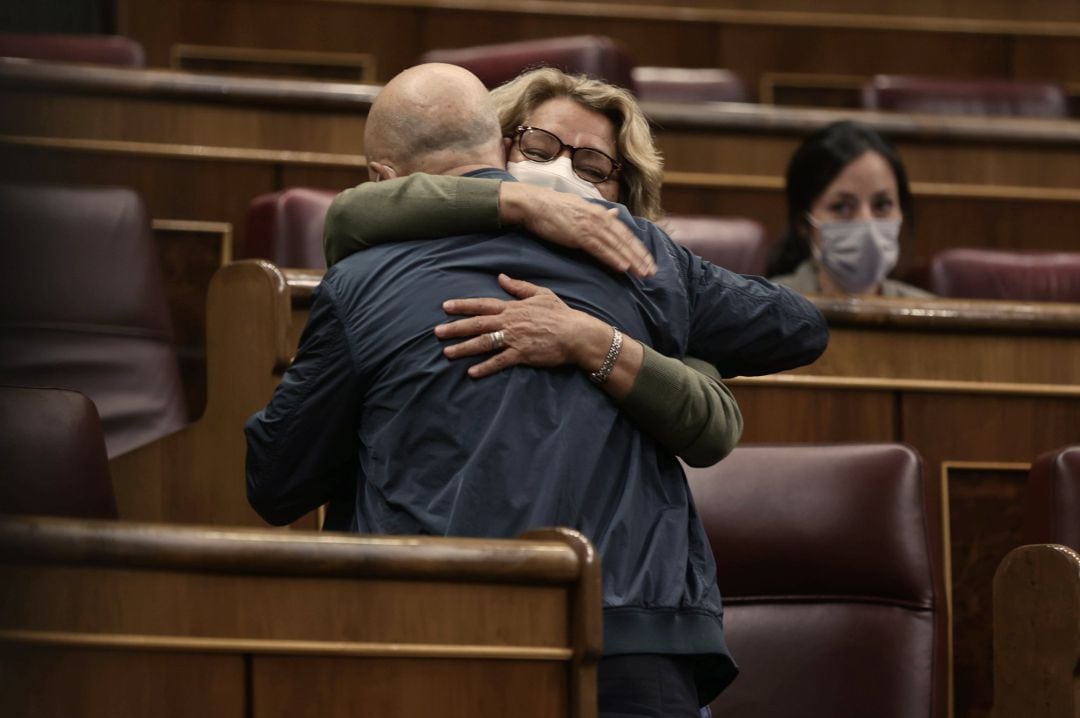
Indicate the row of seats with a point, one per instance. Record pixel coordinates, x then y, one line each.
602 57
605 58
811 541
286 227
60 326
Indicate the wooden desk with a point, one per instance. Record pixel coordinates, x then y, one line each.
114 618
978 388
967 38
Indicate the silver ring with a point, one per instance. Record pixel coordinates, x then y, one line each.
497 339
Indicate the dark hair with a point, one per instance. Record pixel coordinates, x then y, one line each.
819 159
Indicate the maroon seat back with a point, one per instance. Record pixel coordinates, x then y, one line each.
1052 499
999 274
96 49
679 84
734 243
598 57
829 560
53 451
941 96
82 307
286 227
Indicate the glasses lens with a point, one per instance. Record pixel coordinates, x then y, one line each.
592 166
539 146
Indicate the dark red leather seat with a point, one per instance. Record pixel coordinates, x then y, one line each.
1052 499
999 274
286 227
82 307
829 560
679 84
734 243
53 451
598 57
944 96
96 49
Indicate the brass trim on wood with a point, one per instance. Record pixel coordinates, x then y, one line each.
931 386
293 647
182 151
920 189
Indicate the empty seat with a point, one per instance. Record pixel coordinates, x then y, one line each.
943 96
679 84
54 455
829 559
96 49
1052 499
598 57
999 274
734 243
82 307
286 227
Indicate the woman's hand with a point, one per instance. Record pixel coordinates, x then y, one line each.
571 221
538 329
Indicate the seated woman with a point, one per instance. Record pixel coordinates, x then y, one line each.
847 197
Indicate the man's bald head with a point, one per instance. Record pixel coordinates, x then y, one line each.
433 118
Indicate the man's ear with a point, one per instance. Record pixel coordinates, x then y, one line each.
378 171
508 144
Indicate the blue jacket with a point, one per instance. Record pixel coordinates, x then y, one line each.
373 419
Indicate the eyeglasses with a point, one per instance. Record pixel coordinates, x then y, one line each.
541 146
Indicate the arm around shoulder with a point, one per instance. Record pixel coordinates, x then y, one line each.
419 206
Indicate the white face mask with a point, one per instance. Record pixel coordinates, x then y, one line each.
859 254
557 175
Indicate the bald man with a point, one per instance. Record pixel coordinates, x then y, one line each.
374 419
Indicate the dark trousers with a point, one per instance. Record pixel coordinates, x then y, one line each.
647 686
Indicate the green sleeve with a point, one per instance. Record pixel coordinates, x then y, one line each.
684 406
419 206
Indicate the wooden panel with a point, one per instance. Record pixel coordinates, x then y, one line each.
984 512
49 682
126 602
285 687
189 254
774 414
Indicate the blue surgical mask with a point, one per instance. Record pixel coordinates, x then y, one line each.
557 175
858 254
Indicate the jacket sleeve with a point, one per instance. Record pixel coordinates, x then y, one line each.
302 447
420 206
684 406
749 326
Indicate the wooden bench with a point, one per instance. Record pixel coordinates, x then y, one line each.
115 618
255 313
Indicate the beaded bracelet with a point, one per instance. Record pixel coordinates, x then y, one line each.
601 375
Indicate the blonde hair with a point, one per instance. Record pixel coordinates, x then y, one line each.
642 166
